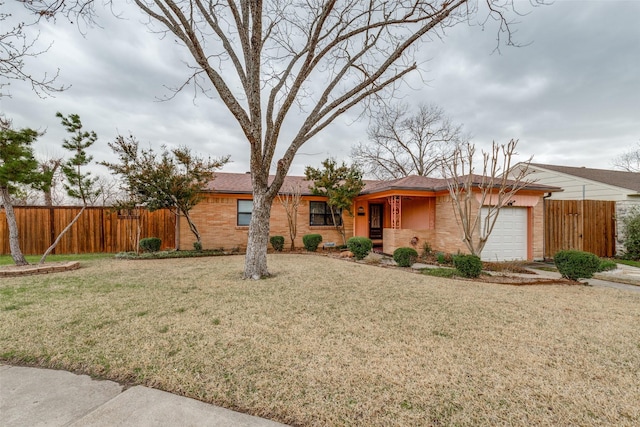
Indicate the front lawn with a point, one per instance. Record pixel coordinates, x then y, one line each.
328 342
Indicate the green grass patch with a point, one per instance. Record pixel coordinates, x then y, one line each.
607 265
170 254
34 259
630 262
441 272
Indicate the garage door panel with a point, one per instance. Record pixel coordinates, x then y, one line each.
508 240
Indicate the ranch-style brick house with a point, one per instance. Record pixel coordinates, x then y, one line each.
391 213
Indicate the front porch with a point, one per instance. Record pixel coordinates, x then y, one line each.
396 220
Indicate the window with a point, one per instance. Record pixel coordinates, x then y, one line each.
244 212
320 214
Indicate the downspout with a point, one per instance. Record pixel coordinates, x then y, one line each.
544 225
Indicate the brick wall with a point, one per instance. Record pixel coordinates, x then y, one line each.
394 239
216 219
538 230
448 236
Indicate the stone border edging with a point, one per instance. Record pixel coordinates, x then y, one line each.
28 270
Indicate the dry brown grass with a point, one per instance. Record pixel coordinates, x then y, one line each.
328 342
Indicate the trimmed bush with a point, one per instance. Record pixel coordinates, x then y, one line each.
632 235
277 242
575 265
360 246
405 257
469 266
197 246
150 244
311 241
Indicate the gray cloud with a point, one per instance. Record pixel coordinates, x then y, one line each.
570 94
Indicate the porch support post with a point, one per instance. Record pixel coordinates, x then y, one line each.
396 211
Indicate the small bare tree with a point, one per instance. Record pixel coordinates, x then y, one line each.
494 189
628 161
290 201
405 142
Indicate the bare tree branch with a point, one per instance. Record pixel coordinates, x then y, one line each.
493 189
403 142
628 161
17 48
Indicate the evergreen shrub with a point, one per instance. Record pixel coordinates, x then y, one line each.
574 265
469 266
277 242
150 244
405 257
360 246
311 241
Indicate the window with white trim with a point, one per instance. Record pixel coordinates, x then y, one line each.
245 207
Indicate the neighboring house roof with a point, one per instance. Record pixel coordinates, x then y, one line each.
240 183
628 180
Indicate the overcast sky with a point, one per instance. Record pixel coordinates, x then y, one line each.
570 94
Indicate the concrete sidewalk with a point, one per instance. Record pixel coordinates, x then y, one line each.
624 277
45 397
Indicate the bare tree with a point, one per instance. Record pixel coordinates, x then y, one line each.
628 161
109 191
16 49
51 172
290 201
494 189
264 58
405 142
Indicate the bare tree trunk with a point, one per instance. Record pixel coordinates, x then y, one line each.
62 233
290 203
339 228
255 266
48 200
192 226
14 243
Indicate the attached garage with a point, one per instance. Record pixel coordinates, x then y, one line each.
508 240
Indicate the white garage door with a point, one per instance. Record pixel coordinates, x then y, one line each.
508 240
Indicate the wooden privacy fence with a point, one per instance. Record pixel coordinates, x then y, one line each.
99 229
584 225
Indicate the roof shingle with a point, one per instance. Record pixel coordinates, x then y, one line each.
622 179
240 183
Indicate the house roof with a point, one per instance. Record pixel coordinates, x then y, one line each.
627 180
240 183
